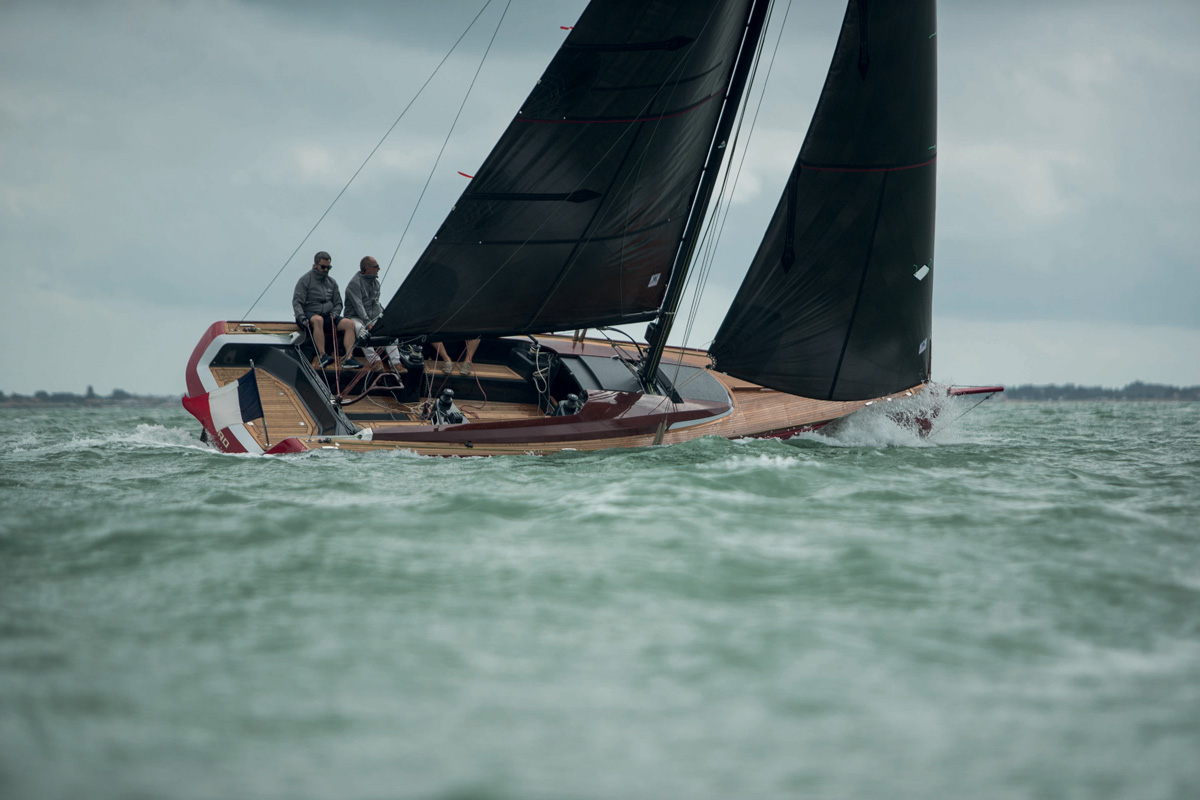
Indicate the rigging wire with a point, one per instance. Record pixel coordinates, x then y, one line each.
562 203
617 347
636 176
368 158
446 140
986 397
706 242
725 202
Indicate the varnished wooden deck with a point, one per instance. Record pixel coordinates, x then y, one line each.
283 412
756 411
481 371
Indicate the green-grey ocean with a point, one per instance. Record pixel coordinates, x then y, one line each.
1010 609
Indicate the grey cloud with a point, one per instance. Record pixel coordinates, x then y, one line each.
162 159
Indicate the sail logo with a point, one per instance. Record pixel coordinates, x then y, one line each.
921 271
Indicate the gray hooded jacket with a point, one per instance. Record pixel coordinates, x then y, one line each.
316 293
362 297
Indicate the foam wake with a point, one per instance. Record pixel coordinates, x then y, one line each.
927 419
143 436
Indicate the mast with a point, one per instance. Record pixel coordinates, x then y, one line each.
661 327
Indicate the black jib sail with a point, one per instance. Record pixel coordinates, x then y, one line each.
573 219
837 302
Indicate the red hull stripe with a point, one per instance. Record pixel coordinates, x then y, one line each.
288 445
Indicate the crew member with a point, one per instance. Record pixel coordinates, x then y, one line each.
317 302
363 307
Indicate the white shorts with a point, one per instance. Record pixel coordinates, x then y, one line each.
393 352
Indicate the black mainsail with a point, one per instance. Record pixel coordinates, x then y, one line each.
574 218
837 302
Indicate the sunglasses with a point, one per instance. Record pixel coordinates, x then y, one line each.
325 267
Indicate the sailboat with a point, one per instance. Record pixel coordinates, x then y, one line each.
588 213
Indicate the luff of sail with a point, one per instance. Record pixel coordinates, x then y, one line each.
573 219
837 302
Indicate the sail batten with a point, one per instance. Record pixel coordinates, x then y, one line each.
831 307
536 242
628 120
674 43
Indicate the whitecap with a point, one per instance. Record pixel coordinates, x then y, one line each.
893 424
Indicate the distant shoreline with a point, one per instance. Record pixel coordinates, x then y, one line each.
139 402
1134 392
42 399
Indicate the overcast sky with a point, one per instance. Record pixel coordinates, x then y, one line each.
160 161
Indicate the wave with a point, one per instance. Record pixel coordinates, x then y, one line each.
899 423
879 425
143 436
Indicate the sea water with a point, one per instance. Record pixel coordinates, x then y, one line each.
1008 609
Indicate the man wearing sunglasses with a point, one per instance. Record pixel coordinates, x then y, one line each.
317 300
363 307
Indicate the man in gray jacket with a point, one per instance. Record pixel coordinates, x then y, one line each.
363 307
317 299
